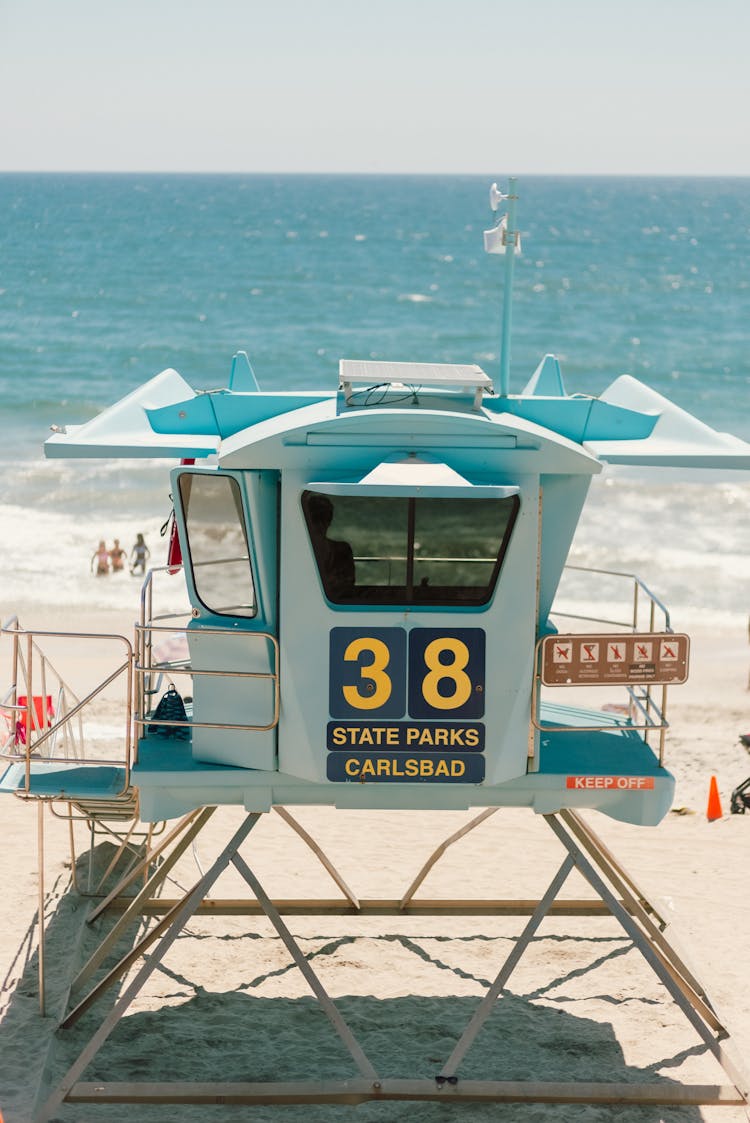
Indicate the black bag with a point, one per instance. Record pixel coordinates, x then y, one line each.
170 708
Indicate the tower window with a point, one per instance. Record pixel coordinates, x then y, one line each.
406 550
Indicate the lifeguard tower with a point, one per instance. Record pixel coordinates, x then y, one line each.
371 571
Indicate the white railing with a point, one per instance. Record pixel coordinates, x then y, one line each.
44 716
639 600
643 612
162 654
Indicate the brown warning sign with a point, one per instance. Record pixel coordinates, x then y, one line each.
623 658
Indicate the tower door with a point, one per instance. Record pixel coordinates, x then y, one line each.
228 531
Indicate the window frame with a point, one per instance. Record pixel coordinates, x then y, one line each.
485 592
240 507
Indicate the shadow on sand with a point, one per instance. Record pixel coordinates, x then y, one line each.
235 1037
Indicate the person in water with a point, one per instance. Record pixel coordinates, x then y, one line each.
139 555
117 556
335 557
101 557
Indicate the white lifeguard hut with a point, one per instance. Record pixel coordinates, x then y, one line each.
372 572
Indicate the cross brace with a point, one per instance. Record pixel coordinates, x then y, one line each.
584 852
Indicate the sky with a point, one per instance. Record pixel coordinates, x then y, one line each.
655 87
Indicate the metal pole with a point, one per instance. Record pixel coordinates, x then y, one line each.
484 1009
40 907
180 918
29 705
510 253
651 955
355 1050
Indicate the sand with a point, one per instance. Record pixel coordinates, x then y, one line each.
226 1004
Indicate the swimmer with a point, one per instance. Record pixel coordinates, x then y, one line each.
117 556
138 555
101 557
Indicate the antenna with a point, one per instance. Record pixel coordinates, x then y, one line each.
504 238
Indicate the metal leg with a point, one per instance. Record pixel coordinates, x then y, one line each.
338 1023
49 1109
149 858
622 879
641 909
134 910
40 906
484 1009
441 849
317 851
651 956
123 845
124 964
172 926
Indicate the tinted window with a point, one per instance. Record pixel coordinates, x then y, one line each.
405 550
217 540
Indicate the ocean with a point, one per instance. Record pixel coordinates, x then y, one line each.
107 279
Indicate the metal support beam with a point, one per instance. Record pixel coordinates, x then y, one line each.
181 918
584 852
324 860
487 1004
363 1091
655 961
188 831
441 849
355 1050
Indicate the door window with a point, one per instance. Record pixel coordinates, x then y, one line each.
218 544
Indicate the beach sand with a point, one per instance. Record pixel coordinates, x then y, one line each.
226 1004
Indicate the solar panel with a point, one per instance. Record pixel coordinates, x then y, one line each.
365 372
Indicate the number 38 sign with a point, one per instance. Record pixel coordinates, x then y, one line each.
389 672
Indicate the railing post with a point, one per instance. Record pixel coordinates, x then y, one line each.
129 718
29 704
40 917
43 671
663 728
14 687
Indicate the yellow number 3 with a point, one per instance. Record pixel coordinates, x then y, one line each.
453 671
379 692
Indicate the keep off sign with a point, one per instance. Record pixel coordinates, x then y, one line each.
626 658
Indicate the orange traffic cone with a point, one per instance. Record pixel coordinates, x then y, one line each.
713 811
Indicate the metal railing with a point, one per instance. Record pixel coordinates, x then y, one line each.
55 732
44 719
48 726
151 671
643 712
639 587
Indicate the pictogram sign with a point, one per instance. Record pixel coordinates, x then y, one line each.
605 660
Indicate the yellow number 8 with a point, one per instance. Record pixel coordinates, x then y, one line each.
374 672
439 672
